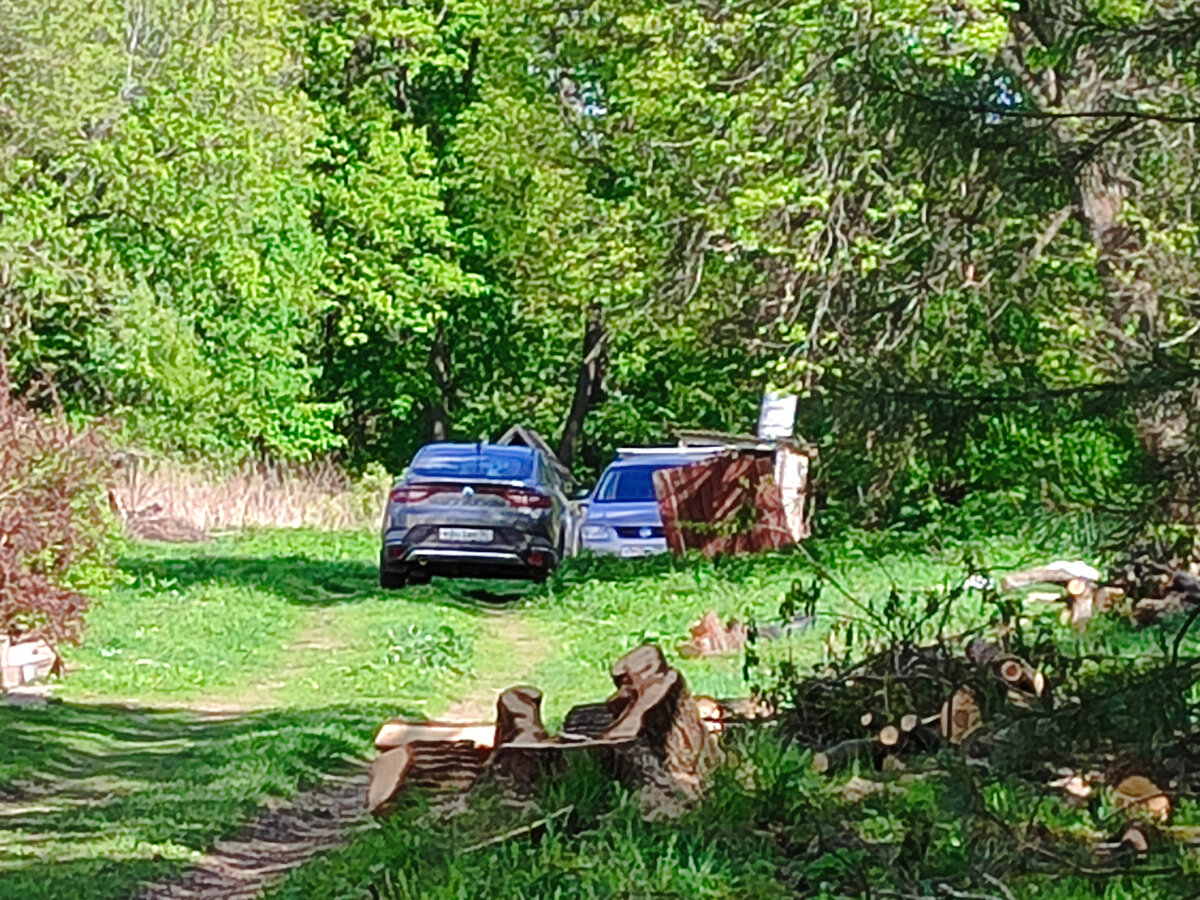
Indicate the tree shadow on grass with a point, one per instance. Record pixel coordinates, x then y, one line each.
95 799
306 581
299 579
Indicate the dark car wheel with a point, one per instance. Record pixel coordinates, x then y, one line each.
391 581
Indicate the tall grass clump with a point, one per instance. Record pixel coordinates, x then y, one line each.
319 495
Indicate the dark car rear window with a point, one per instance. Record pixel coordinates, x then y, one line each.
628 484
472 461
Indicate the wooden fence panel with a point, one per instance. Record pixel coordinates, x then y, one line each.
727 504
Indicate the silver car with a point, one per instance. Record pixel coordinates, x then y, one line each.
621 516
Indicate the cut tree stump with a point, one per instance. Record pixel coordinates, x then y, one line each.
664 748
711 638
652 733
520 759
519 717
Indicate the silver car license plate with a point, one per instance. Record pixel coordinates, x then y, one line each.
466 535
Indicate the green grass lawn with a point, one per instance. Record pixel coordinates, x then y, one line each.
127 775
265 620
296 619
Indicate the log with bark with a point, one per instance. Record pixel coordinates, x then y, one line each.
961 716
1078 580
439 767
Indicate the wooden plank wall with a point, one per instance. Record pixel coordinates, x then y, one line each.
727 504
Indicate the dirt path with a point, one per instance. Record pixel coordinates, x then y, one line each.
291 833
505 635
279 840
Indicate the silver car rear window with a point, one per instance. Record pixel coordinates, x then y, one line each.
628 484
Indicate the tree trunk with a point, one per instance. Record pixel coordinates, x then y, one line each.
439 365
1087 81
1134 317
587 385
1100 199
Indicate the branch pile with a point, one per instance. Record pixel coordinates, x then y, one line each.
1116 733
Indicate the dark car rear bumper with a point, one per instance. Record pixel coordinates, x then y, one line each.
530 557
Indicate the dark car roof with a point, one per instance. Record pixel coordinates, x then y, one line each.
458 448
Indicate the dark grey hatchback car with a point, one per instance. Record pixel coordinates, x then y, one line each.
474 510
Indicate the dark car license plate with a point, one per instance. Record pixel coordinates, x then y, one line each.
466 535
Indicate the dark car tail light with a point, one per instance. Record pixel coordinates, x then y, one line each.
519 497
526 499
412 494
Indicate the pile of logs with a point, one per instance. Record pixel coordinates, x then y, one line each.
910 699
651 734
1144 591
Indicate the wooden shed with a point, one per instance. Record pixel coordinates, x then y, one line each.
751 497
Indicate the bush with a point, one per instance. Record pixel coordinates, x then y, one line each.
54 520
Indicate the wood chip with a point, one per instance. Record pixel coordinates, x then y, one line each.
711 714
1135 836
1075 786
858 789
889 736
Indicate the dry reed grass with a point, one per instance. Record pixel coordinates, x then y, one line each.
317 495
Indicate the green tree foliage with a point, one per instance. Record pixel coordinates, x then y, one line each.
158 259
962 231
385 78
